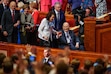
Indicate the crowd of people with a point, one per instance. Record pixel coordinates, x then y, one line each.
24 62
24 27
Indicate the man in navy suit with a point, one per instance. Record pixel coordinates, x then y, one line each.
58 21
59 16
3 7
67 38
10 21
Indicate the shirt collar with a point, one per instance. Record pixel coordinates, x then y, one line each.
12 10
4 5
56 11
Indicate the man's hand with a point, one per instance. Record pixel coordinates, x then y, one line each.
77 45
45 37
59 34
5 33
27 27
16 24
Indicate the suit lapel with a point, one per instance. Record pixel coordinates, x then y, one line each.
64 37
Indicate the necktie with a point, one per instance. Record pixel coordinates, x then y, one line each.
58 21
13 16
68 37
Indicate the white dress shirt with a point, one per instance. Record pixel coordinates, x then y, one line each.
68 37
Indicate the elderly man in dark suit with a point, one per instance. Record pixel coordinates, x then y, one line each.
10 21
3 7
67 38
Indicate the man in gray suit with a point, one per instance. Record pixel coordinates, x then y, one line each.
10 21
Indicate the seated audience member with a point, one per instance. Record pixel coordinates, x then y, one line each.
2 57
45 30
47 57
15 60
75 63
88 66
99 69
67 37
82 72
26 25
62 67
8 66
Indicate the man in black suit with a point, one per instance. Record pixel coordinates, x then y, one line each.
67 38
47 57
3 6
10 21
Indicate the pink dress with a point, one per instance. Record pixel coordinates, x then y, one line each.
53 2
45 5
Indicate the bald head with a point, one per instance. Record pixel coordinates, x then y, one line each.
66 26
12 5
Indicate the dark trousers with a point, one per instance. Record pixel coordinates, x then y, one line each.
45 43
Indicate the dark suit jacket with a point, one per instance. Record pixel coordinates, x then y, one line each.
7 21
63 42
62 19
49 62
1 11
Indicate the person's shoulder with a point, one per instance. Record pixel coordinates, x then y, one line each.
44 19
71 31
6 11
36 11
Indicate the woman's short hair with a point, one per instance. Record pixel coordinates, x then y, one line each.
49 15
26 6
33 5
20 4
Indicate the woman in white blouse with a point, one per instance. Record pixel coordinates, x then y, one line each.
45 29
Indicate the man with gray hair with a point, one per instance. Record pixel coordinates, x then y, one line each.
58 21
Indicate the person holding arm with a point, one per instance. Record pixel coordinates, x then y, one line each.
45 30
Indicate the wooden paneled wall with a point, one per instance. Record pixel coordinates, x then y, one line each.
97 36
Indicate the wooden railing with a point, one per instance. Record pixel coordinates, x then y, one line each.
81 55
97 36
